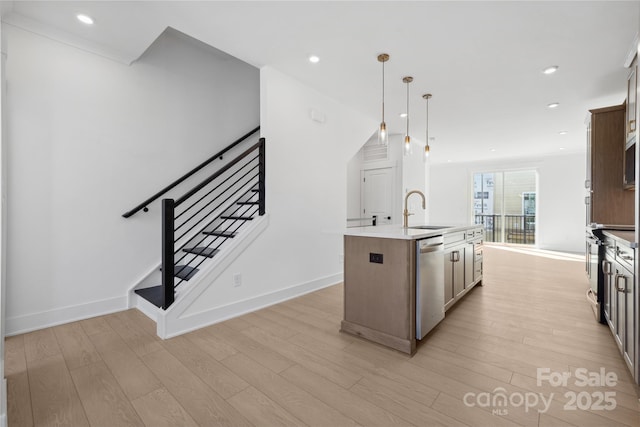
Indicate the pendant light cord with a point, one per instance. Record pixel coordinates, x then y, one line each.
383 91
427 139
408 108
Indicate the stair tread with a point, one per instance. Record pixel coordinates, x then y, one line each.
220 233
243 218
184 272
248 203
153 294
203 251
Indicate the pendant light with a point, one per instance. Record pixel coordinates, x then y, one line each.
407 138
425 157
383 135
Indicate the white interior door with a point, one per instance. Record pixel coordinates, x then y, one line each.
377 194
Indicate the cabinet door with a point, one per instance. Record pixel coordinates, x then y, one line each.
609 292
626 292
458 270
632 83
630 326
620 285
448 277
468 265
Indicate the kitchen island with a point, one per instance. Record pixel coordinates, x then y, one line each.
381 265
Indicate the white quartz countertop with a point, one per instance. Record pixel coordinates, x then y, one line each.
398 232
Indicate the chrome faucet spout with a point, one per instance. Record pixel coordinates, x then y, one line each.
406 213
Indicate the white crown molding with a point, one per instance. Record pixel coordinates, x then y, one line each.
69 39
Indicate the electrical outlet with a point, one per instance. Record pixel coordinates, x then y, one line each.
237 280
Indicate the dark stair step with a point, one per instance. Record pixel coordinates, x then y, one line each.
248 203
203 251
233 217
220 233
184 272
255 190
154 295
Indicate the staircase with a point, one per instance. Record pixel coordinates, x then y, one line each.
205 227
207 243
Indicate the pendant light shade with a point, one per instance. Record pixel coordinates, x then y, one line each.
383 135
407 138
425 157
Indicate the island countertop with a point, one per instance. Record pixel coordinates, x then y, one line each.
396 231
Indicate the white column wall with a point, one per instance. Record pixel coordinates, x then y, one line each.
3 232
307 161
88 139
561 209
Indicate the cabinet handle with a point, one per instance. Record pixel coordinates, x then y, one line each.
586 200
632 125
624 288
606 270
587 183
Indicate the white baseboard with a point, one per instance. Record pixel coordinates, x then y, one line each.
59 316
195 321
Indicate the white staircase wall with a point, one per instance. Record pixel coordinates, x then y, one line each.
301 250
88 139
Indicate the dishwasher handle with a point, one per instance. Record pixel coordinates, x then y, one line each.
431 248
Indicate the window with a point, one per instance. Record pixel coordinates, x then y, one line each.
505 203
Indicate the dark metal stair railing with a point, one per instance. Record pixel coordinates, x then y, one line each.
244 185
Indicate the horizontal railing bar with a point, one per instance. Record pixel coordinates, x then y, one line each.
202 238
217 174
189 174
219 244
230 195
185 254
218 186
194 225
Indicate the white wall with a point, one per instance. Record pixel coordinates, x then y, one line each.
3 232
306 195
414 172
88 139
561 209
354 169
410 175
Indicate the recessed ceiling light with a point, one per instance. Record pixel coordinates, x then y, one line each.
561 148
563 132
85 19
553 105
314 59
403 115
550 70
492 150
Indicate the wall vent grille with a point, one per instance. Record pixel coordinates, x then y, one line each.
373 152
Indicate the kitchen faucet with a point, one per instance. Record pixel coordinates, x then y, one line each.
406 213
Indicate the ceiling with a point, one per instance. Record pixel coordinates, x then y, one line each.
482 61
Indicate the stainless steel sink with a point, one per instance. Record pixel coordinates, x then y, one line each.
431 227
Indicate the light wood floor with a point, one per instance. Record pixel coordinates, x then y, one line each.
289 366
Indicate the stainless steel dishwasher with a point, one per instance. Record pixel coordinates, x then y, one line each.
429 284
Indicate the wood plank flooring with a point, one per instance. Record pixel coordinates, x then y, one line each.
288 365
